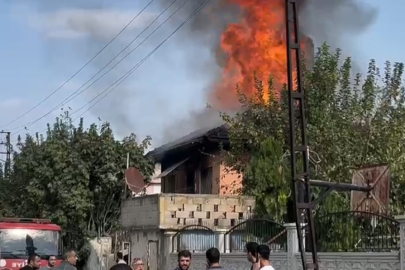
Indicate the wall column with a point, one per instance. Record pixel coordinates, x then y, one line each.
292 246
167 246
221 240
401 220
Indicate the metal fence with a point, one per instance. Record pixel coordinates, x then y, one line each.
356 231
199 238
196 238
261 231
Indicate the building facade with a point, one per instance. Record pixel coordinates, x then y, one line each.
192 164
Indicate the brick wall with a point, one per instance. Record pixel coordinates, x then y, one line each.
230 181
174 211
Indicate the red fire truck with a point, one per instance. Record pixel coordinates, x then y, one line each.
22 236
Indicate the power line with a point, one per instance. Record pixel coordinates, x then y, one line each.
107 91
113 86
84 66
126 75
79 91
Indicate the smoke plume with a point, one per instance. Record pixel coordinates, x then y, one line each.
334 22
147 105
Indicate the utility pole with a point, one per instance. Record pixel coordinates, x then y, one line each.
6 150
300 175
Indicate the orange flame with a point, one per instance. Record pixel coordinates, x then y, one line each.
256 45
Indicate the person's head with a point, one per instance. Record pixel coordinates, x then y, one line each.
251 251
184 259
52 260
34 261
119 256
137 264
70 256
263 255
213 256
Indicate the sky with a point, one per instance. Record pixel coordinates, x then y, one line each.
45 42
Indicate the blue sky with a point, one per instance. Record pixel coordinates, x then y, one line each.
44 42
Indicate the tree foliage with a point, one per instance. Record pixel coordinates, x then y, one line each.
73 176
353 120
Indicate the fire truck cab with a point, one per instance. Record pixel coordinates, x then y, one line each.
20 237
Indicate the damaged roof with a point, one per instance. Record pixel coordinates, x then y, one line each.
217 134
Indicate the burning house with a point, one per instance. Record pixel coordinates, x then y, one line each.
192 164
196 187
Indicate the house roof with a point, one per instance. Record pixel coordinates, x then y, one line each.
211 134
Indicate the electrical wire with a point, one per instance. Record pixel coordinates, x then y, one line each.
79 91
83 67
107 91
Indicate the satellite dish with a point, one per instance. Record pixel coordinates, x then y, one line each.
135 180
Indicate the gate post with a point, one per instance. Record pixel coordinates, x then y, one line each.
401 220
292 246
221 240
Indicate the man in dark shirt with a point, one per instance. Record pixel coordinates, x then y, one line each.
69 260
121 266
184 260
213 257
33 262
251 255
51 263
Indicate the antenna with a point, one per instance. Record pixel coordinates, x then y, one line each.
134 179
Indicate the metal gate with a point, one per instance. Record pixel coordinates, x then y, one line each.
261 231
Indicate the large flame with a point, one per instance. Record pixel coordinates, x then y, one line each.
255 45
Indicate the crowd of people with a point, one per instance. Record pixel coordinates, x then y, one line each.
257 255
68 263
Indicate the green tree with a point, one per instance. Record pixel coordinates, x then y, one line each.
268 162
352 121
74 176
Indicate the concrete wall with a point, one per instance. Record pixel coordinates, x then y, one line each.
328 261
142 242
100 257
291 259
164 253
229 261
141 212
174 211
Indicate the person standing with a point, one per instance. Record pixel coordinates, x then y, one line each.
137 264
263 256
184 260
120 258
213 256
251 255
121 266
69 261
33 262
51 263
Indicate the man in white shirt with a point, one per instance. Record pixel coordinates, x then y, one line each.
263 257
120 258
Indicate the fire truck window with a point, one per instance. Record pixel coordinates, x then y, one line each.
23 241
